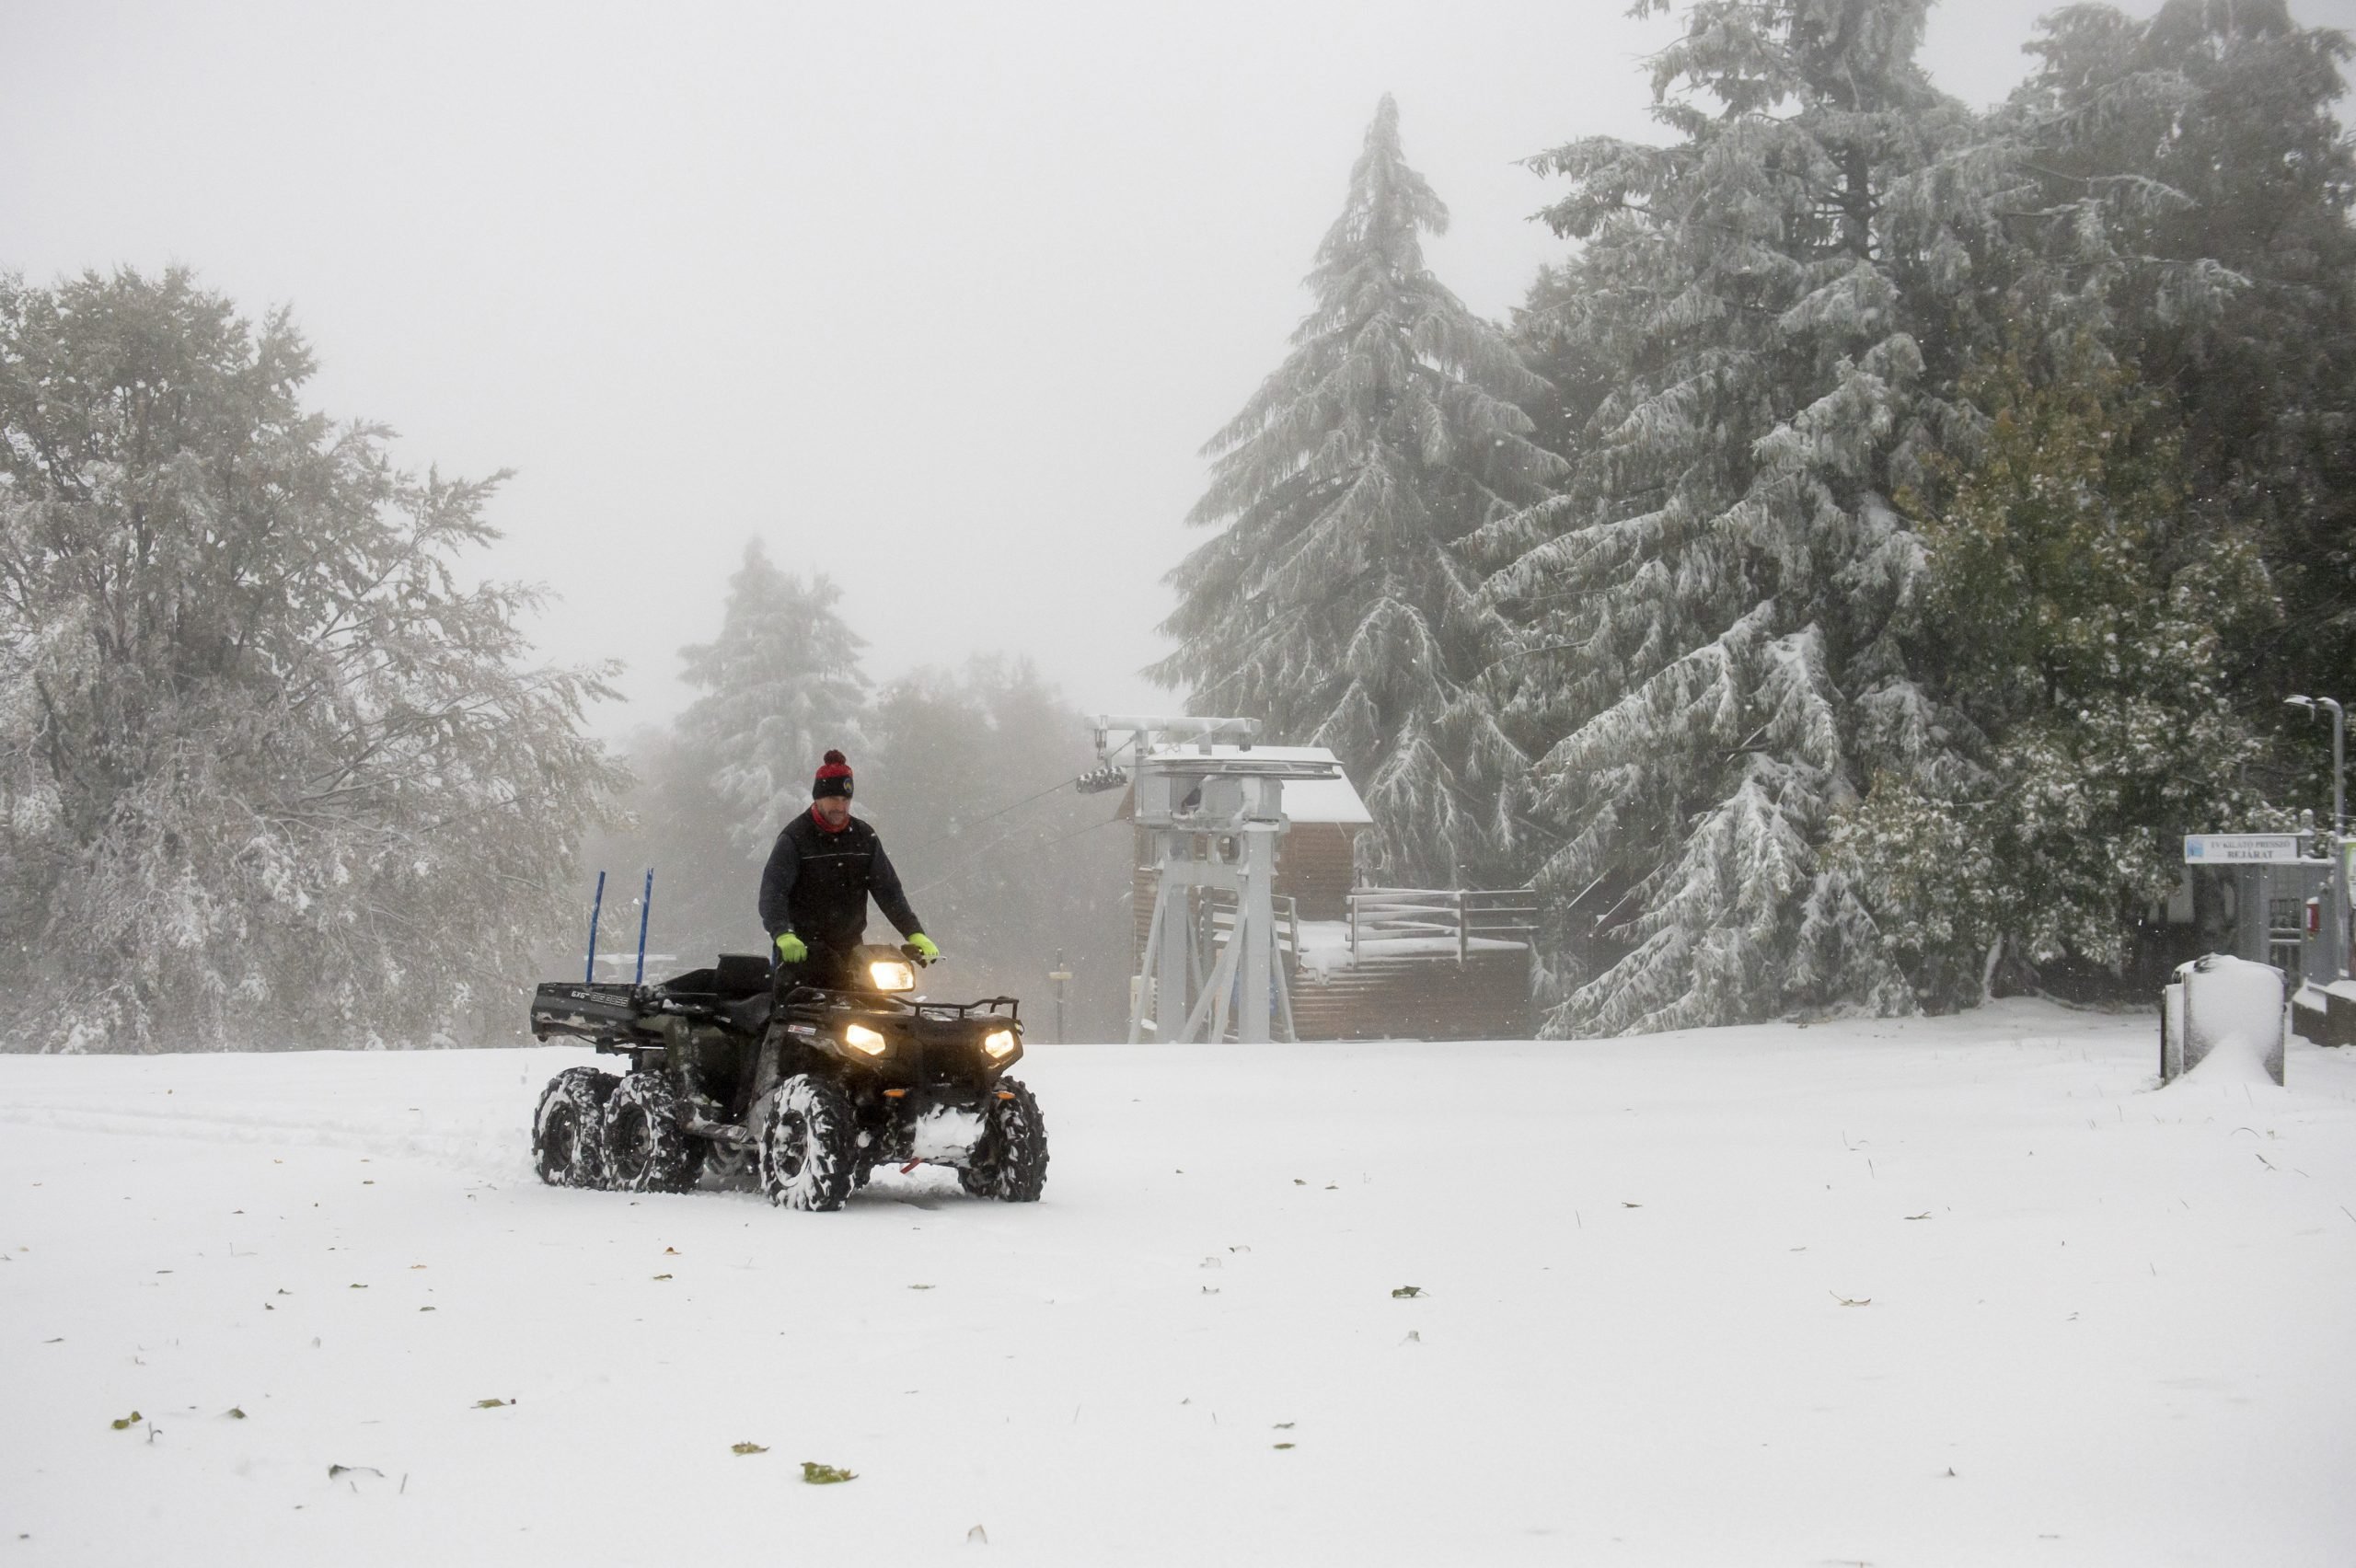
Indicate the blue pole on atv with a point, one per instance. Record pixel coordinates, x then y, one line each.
595 904
645 907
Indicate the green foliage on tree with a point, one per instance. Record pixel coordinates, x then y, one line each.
269 773
2233 284
1332 603
2082 612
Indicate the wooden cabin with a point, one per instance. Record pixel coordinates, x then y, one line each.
1366 963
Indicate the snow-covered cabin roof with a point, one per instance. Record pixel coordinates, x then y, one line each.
1333 800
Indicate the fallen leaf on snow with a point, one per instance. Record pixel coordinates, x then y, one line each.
1407 1290
662 1276
128 1422
1284 1444
816 1474
236 1415
492 1404
746 1449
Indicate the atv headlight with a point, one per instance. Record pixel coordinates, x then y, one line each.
998 1043
892 975
858 1037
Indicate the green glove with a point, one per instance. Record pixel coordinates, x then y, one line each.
789 948
925 946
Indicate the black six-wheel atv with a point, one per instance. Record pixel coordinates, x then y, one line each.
806 1091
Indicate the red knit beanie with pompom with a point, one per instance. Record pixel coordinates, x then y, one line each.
833 778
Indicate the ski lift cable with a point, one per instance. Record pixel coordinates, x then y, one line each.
970 861
963 827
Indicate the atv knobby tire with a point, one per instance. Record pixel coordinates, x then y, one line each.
809 1145
646 1150
569 1128
1010 1162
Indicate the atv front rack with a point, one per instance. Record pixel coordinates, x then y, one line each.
988 1007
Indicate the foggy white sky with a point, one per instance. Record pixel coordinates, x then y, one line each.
939 299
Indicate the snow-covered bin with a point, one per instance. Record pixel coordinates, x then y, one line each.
2221 1003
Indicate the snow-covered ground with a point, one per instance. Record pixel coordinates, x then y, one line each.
1966 1291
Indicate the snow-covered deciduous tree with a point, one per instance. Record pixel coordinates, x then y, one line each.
1769 310
2082 610
781 684
1332 603
269 775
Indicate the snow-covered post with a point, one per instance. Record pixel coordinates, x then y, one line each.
2221 1005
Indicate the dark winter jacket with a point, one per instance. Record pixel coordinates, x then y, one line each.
817 882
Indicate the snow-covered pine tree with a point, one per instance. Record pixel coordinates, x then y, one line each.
1769 307
781 684
267 775
1332 603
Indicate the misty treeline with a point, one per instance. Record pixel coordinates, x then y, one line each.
274 772
966 774
1883 534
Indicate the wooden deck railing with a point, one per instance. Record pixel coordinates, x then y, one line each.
1456 914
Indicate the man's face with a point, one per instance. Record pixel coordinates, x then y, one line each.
833 810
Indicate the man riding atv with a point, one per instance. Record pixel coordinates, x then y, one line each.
811 1067
814 890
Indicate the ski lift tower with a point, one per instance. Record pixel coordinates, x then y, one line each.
1214 814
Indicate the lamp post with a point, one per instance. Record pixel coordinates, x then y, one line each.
2338 825
1060 975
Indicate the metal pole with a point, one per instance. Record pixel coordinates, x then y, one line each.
645 909
595 904
2338 838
